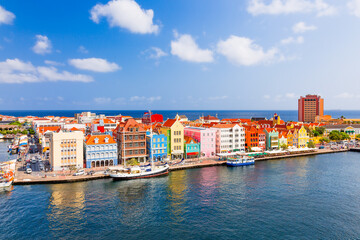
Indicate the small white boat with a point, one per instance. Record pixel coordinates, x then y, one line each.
240 161
135 172
7 170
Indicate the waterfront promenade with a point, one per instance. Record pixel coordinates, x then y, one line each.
22 178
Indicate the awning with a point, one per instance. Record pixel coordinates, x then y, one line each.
192 153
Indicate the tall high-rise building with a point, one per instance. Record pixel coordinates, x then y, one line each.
309 107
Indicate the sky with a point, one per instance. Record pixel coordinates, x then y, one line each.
178 54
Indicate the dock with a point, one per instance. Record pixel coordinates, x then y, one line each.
22 178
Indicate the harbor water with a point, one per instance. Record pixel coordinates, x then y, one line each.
314 197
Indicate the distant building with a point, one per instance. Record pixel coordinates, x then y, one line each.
181 118
66 150
152 118
309 107
272 139
100 151
210 119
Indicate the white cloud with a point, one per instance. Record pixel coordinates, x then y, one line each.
53 63
290 95
145 99
301 27
186 49
82 49
354 7
52 74
242 51
215 98
60 98
42 45
17 71
346 95
125 14
156 53
94 64
6 17
275 7
267 96
289 40
102 100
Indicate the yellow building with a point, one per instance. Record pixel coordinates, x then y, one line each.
301 137
290 138
174 130
66 150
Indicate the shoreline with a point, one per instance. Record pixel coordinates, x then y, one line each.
199 164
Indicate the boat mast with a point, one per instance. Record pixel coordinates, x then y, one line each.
151 146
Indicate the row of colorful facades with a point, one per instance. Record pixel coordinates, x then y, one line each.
109 141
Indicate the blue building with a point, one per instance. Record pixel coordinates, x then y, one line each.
158 149
100 151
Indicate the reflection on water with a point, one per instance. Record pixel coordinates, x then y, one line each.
208 183
177 186
66 207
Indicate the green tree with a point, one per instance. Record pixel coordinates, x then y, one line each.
311 144
16 123
320 130
132 162
31 131
335 135
284 146
357 137
315 133
344 136
24 132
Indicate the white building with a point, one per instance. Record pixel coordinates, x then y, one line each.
66 150
229 137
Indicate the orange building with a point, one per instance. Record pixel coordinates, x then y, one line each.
251 137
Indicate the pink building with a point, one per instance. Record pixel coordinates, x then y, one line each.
206 137
262 139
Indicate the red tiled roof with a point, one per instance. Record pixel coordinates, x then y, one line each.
90 139
169 123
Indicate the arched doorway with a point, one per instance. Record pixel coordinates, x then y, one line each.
111 162
97 164
106 162
102 163
92 163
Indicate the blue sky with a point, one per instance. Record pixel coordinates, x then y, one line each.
180 54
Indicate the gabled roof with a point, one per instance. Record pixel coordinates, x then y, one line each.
169 123
90 139
188 140
130 123
105 121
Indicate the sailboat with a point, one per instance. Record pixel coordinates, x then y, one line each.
134 172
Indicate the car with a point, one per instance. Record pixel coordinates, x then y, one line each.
28 170
79 172
92 172
33 160
321 147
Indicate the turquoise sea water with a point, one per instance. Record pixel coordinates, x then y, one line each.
302 198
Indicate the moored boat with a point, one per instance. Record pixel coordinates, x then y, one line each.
239 161
134 172
7 170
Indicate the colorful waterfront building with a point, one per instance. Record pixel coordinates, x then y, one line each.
229 138
174 131
131 139
66 150
251 137
192 147
272 139
206 137
100 151
300 138
262 138
156 146
283 138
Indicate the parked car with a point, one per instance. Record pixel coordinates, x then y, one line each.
79 172
91 172
28 170
321 147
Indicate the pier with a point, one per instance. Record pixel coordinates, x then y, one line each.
22 178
